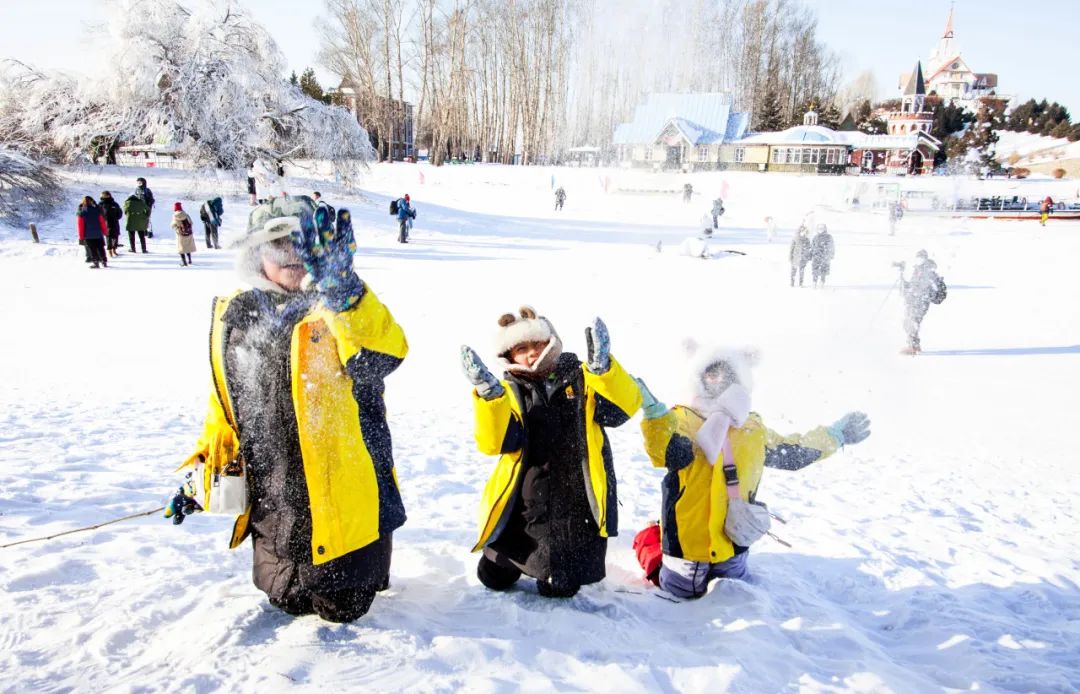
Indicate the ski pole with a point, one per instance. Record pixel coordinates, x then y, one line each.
80 530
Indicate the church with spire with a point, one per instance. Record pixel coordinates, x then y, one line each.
949 76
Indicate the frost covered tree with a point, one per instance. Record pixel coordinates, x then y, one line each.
28 189
201 75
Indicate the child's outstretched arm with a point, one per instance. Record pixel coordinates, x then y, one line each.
666 441
617 394
796 451
498 425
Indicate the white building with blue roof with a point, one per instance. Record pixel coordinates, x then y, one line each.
681 131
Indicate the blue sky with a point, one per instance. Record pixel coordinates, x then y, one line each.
1034 47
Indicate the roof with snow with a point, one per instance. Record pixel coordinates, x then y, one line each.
701 119
808 135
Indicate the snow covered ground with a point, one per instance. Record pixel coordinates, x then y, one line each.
938 555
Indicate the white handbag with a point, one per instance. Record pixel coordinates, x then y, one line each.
222 491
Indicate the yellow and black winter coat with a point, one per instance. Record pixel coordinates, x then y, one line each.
330 399
695 493
580 404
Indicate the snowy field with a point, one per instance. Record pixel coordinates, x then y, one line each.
939 555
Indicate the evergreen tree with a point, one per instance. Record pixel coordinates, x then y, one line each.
830 116
1036 122
1022 116
309 84
769 115
1074 133
292 78
867 122
1062 129
976 147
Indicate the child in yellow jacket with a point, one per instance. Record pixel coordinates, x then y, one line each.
715 450
551 502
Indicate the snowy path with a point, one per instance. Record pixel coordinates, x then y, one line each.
938 555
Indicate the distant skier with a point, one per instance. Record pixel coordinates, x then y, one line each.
925 287
687 193
799 254
405 214
1045 208
715 450
560 198
822 250
717 211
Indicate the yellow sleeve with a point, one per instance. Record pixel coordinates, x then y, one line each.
217 444
369 327
796 451
617 387
498 425
657 434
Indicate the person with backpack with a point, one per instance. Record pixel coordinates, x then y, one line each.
551 501
112 211
799 254
714 450
138 220
185 234
210 213
925 287
822 250
93 230
147 196
717 212
560 198
297 415
405 214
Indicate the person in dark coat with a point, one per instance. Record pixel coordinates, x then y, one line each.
687 192
138 220
799 254
93 230
297 401
717 212
924 288
211 220
560 198
253 198
822 250
147 196
551 502
111 209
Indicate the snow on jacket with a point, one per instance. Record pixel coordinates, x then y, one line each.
111 209
923 284
822 248
184 228
336 366
501 429
694 492
138 214
91 223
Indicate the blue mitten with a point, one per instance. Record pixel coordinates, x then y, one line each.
327 251
851 428
183 503
598 344
651 408
487 386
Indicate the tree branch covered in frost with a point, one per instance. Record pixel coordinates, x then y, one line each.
201 75
28 190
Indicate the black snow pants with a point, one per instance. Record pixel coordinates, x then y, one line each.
142 240
211 235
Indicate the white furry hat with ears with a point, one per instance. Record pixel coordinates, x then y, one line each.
527 326
738 362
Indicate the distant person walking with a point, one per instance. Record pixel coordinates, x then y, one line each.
93 229
560 198
925 287
253 198
405 215
138 220
822 250
1045 208
210 213
896 213
112 211
799 254
185 234
717 212
687 192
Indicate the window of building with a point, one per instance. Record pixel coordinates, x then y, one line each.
830 156
703 153
740 154
776 155
815 156
648 154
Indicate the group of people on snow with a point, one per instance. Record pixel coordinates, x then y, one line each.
98 224
297 431
818 252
